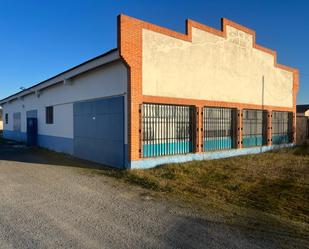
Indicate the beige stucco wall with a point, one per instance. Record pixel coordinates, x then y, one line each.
213 68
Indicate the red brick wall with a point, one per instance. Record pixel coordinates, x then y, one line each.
130 47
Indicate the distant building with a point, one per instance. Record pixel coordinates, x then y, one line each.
302 110
302 124
163 97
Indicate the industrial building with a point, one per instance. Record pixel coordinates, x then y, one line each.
162 97
1 121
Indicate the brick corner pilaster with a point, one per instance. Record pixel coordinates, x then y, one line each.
239 128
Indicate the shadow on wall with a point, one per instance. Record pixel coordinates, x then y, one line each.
19 152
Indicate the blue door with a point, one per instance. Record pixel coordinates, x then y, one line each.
99 131
32 127
32 131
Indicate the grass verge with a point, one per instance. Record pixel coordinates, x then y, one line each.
274 182
265 194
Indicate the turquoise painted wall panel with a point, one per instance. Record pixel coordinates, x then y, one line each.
152 150
211 144
280 139
251 141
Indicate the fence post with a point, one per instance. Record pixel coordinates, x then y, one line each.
140 152
269 127
201 130
239 128
197 129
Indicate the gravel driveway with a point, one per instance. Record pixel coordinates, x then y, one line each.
48 203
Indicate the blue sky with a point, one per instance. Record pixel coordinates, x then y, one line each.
42 38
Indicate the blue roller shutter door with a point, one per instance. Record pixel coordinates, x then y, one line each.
99 131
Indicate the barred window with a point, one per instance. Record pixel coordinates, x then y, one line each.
167 129
17 121
219 128
254 128
282 123
49 114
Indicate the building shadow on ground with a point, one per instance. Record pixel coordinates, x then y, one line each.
15 151
185 232
189 232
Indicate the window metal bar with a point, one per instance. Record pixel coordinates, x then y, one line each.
218 128
282 123
167 129
254 128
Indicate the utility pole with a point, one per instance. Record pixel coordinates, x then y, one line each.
263 79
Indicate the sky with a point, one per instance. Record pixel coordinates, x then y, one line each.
42 38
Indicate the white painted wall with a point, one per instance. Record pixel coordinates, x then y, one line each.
107 80
1 119
213 68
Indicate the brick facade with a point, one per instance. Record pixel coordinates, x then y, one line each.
130 47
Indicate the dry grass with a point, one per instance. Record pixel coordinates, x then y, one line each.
265 193
273 182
